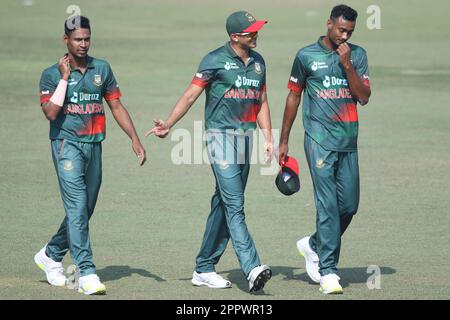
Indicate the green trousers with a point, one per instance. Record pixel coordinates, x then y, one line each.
335 177
230 163
79 169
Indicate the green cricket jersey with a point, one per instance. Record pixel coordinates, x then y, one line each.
329 110
83 116
233 90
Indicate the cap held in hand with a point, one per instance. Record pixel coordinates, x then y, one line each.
287 180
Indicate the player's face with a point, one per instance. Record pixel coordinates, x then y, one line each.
340 30
78 42
246 40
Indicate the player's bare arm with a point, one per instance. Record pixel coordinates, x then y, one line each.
50 108
161 128
357 88
290 113
123 118
266 126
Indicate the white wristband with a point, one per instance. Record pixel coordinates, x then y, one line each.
60 93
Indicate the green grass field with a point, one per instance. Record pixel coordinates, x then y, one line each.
149 221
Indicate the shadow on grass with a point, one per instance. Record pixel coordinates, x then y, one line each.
112 273
347 275
350 275
237 277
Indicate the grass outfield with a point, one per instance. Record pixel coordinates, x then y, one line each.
149 221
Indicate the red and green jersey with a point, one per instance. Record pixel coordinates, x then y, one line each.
329 110
233 90
83 116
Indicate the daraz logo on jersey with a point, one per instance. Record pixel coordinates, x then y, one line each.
246 82
80 96
89 108
334 82
244 93
339 93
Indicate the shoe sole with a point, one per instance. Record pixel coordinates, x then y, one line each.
100 292
41 266
261 280
336 291
200 284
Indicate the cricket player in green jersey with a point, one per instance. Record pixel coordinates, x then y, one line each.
71 98
333 76
234 78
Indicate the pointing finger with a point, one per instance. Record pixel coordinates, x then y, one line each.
150 132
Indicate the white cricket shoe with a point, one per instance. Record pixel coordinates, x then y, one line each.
54 271
329 284
210 279
91 285
311 259
258 277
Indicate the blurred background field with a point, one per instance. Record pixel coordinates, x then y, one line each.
149 221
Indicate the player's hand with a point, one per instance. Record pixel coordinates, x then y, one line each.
139 151
344 55
64 67
161 129
268 152
283 150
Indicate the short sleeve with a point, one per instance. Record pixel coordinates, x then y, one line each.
205 73
47 87
298 76
112 90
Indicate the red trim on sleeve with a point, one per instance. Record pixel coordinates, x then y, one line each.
44 98
366 82
116 94
295 87
264 88
199 82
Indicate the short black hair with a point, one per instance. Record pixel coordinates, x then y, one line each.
348 13
76 22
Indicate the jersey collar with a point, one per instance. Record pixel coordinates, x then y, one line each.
230 50
322 45
90 64
233 53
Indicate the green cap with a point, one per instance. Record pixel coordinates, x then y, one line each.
242 22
